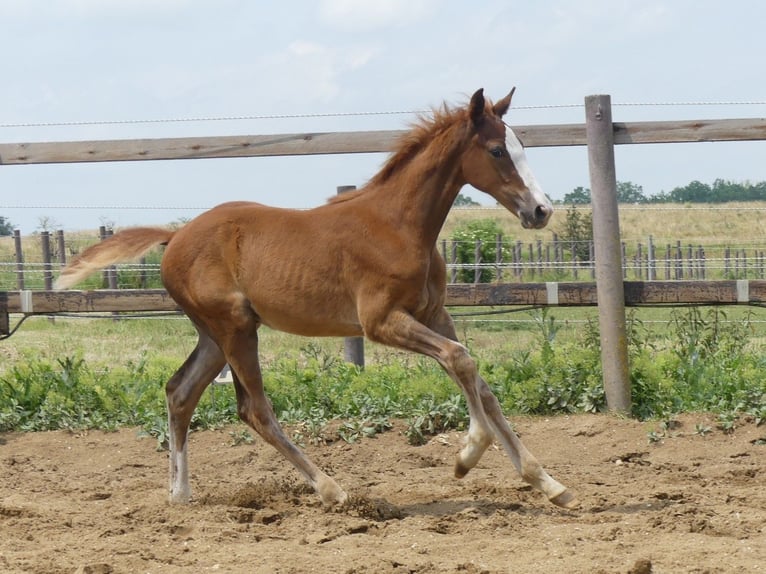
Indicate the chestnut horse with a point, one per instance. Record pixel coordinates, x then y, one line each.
365 263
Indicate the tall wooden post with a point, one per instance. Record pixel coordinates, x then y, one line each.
353 347
599 133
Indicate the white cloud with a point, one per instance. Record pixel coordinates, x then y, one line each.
305 63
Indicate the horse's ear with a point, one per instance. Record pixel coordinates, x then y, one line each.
477 106
501 107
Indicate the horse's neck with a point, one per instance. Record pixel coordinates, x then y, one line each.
417 208
417 200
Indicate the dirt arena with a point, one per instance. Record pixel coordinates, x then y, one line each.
96 503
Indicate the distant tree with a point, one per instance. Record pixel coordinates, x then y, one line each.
695 192
6 227
628 192
46 223
721 191
579 196
464 201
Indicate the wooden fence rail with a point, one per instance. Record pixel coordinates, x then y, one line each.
563 294
359 142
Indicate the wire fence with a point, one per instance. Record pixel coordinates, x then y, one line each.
36 260
309 115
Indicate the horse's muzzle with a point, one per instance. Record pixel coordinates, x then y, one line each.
538 218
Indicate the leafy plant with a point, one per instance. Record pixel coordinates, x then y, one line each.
481 233
241 437
577 231
432 418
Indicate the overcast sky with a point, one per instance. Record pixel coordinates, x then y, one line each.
121 60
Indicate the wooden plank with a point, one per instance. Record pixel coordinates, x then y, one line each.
691 292
553 135
197 148
690 131
99 301
358 142
479 294
568 294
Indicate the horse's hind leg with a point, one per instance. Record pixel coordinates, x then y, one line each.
183 392
254 408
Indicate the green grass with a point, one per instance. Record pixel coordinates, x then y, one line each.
101 373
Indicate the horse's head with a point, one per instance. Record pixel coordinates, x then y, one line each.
496 163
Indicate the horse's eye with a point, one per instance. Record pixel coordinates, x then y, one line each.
497 152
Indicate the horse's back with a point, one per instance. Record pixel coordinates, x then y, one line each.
286 264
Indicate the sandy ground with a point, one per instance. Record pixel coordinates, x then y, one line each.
96 503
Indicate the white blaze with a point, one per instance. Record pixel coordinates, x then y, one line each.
519 158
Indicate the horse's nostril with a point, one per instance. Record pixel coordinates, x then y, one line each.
542 212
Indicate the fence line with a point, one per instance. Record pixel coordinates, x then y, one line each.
599 133
538 294
513 260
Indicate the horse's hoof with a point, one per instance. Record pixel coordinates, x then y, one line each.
460 469
182 496
332 495
565 500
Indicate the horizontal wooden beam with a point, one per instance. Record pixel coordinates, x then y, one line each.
35 302
690 131
567 294
637 293
358 142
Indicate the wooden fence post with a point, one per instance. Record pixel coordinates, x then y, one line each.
45 240
61 248
112 269
499 258
5 322
477 262
19 260
105 273
599 133
353 347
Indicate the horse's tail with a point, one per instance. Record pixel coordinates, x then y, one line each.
126 245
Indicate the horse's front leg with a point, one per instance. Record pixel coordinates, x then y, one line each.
486 417
523 460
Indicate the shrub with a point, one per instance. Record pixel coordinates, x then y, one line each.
467 236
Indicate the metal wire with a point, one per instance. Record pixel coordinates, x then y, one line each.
347 114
